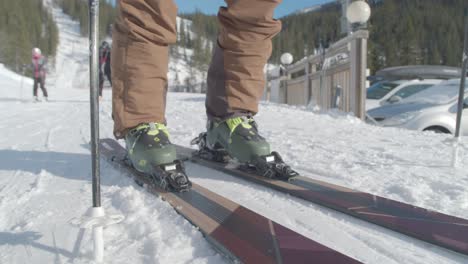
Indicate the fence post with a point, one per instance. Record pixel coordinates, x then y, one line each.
307 82
358 74
322 81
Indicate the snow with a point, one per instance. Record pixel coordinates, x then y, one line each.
45 176
180 70
309 9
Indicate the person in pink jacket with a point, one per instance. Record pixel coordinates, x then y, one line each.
39 73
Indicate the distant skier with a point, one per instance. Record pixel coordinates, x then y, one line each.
39 73
104 65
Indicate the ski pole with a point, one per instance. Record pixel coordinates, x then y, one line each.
97 211
93 65
461 94
96 219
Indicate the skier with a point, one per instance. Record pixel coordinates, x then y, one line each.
39 71
104 65
141 36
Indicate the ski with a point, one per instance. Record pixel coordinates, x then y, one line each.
426 225
235 231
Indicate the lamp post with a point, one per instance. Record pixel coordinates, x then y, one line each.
322 53
358 13
461 94
286 60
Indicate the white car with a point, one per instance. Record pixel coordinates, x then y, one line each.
390 92
433 109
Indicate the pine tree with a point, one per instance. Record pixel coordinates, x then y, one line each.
401 32
78 10
25 24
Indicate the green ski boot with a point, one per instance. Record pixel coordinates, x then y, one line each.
238 138
151 152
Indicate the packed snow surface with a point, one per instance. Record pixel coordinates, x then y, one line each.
45 176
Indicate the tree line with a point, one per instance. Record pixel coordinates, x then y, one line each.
78 10
196 38
402 32
25 24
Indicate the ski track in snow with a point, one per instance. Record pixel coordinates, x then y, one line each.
45 176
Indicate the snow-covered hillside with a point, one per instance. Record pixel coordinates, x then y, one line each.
309 9
45 176
181 73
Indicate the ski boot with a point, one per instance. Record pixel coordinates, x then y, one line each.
238 138
151 152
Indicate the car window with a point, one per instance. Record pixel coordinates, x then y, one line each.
412 89
439 94
380 89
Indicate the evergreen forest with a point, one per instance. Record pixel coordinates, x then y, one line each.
402 32
25 24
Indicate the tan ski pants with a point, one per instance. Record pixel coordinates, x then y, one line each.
141 35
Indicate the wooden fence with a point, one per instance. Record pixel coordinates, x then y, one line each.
334 79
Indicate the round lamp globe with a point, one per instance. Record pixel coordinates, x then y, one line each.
287 58
358 12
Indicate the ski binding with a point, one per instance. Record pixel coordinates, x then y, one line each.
270 166
169 177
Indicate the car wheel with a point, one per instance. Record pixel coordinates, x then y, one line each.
438 130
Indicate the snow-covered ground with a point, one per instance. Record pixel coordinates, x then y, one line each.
181 73
45 176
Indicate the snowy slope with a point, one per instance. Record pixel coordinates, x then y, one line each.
309 9
179 69
45 177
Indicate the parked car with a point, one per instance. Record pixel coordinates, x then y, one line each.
433 109
418 72
390 92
